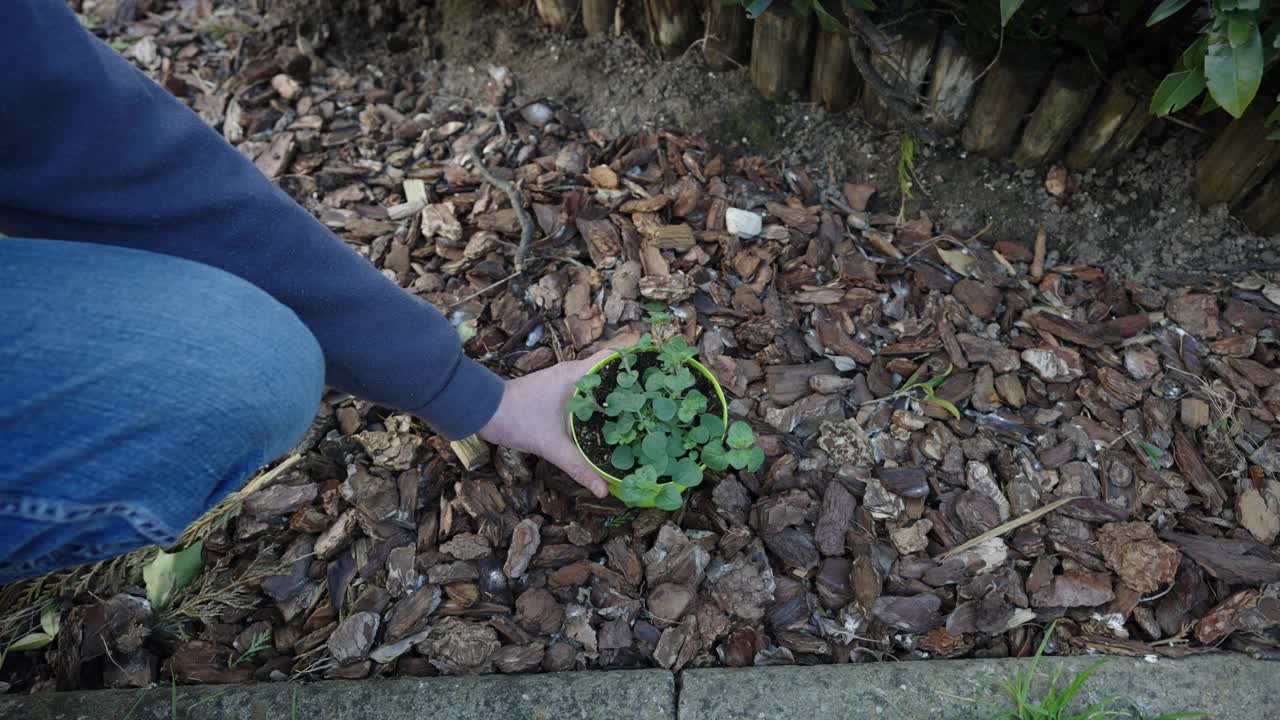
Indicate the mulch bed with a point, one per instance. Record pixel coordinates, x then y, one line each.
868 533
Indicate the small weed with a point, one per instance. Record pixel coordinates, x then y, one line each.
260 643
906 172
658 314
621 519
1052 705
928 387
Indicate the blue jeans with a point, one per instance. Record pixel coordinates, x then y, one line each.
136 391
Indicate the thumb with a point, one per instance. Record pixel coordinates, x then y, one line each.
576 467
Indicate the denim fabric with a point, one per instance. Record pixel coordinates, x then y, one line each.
136 391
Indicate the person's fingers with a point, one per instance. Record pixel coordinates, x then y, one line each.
582 473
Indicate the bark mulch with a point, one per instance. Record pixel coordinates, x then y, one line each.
1113 463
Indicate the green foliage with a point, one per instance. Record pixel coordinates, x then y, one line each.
662 429
1054 703
50 624
260 642
1227 61
169 573
930 389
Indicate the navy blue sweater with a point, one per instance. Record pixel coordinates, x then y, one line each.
92 150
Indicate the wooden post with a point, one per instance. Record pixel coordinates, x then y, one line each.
1008 92
1263 214
955 82
835 80
557 13
597 16
904 67
673 25
1237 161
727 43
781 48
1123 105
1059 113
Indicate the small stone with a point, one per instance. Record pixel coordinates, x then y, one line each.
1010 390
348 420
353 639
742 223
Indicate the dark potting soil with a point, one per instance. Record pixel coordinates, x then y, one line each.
591 433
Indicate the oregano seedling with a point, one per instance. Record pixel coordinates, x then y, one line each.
662 432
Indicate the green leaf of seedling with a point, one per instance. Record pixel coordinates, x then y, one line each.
640 488
627 378
668 497
581 407
644 344
686 472
756 460
587 383
740 435
714 456
945 405
692 404
654 447
698 435
714 425
1165 9
1240 25
169 573
623 458
664 408
680 381
655 381
624 401
934 383
911 381
739 458
675 443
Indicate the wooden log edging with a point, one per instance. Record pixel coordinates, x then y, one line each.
1095 122
727 42
781 50
1236 162
1008 91
905 67
1060 111
956 72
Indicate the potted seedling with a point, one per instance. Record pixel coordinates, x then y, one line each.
651 420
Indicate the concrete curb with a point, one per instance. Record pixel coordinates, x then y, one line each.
641 694
1229 687
1226 686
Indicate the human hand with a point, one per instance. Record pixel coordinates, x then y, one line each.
532 418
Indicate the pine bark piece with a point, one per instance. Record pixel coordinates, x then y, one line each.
1263 214
597 15
836 81
673 25
1108 133
954 84
1197 473
834 519
1060 111
472 452
728 37
1008 92
1236 162
904 67
788 383
781 50
557 13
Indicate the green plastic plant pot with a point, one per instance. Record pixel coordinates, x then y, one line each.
614 482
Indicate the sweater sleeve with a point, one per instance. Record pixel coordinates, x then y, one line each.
93 150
